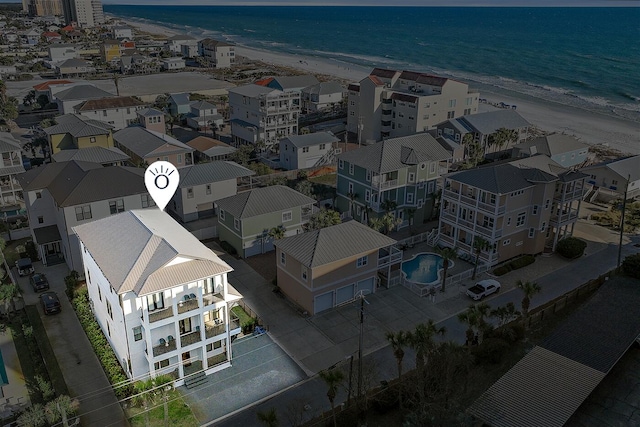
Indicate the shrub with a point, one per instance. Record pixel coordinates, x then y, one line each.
523 261
631 266
571 247
490 351
504 269
226 246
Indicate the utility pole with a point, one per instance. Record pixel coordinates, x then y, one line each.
359 131
350 380
624 206
360 343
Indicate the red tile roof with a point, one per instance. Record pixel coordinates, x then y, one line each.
354 87
108 103
382 72
376 80
403 97
45 85
264 82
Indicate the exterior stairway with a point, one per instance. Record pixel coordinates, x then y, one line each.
195 380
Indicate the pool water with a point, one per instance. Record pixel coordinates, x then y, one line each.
423 268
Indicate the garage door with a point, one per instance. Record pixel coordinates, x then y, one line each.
253 248
323 302
345 294
366 286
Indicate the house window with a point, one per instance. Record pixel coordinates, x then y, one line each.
236 224
433 168
283 258
350 187
304 274
362 261
137 333
487 222
546 203
38 194
509 221
305 149
544 226
506 242
108 330
409 198
531 232
614 182
92 139
351 168
179 158
147 201
322 146
155 301
109 310
522 216
190 193
368 176
286 216
99 294
367 196
208 189
161 364
432 187
451 114
83 212
535 210
412 177
221 214
341 164
116 206
40 220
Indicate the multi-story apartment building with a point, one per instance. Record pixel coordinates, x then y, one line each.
43 7
398 173
59 196
262 114
160 296
520 207
216 53
181 42
85 13
10 190
390 103
119 111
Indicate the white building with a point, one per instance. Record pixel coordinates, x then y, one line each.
322 96
160 296
307 151
390 103
181 43
122 32
264 114
10 190
119 112
63 51
171 64
218 54
85 13
203 116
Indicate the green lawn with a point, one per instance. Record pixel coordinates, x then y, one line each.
242 315
10 251
179 413
328 179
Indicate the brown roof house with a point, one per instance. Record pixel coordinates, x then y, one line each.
118 111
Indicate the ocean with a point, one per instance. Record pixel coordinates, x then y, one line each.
583 57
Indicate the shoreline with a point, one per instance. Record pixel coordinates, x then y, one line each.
591 127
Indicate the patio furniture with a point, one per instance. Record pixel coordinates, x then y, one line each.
192 296
170 338
163 342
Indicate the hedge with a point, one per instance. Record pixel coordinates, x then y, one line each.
631 266
517 263
99 342
571 247
226 246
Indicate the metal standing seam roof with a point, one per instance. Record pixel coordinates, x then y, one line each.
78 126
293 82
149 112
47 234
74 62
203 105
147 251
311 139
109 103
625 168
549 166
489 122
500 179
143 142
91 154
82 92
552 144
206 173
252 90
179 98
549 384
325 88
8 143
330 244
261 201
387 155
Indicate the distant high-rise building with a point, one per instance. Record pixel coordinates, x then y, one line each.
42 7
85 13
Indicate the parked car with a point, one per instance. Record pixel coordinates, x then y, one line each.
50 303
483 288
24 266
39 282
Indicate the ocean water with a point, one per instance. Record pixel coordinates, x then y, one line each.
583 57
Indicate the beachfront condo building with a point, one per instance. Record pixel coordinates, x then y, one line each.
521 207
396 175
84 13
390 103
216 53
261 115
160 296
11 199
42 7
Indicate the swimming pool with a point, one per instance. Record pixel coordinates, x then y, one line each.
424 268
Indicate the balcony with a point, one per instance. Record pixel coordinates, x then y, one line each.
575 194
384 185
389 256
473 202
160 314
210 299
187 305
190 338
564 218
164 347
212 329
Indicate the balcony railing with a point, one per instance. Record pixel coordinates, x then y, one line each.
212 329
569 195
382 185
210 299
163 348
160 314
564 218
184 306
471 201
190 338
471 226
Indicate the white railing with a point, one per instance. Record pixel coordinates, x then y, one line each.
394 257
412 240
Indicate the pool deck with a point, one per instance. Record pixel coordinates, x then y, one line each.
14 394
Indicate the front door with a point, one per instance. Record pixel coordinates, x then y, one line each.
186 358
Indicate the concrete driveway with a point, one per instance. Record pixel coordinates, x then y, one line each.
80 367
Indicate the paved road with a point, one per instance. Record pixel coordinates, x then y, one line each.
291 402
80 367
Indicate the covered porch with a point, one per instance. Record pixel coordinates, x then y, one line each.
49 244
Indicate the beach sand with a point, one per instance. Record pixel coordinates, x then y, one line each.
587 126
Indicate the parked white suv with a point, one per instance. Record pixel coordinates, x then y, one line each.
483 288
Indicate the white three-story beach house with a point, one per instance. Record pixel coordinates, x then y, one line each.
160 296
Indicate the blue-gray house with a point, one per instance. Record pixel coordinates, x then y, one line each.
563 149
179 104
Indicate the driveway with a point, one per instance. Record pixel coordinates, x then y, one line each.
80 367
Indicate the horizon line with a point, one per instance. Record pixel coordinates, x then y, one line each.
632 4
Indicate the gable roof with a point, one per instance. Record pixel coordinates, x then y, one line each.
179 98
286 83
134 250
489 122
206 173
252 90
210 147
311 139
8 142
179 37
551 145
325 88
96 154
260 201
500 179
73 183
74 62
82 92
150 112
384 73
78 126
143 142
109 103
45 86
330 244
214 43
549 166
628 167
397 153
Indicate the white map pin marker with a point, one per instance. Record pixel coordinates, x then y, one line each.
161 179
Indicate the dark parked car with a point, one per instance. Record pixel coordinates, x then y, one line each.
50 303
24 266
39 282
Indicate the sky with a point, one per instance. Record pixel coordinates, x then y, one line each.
528 3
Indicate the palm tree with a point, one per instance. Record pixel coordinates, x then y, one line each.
277 233
268 418
411 212
116 82
475 318
505 313
376 223
164 384
398 341
389 205
142 396
422 341
437 198
529 290
390 222
352 198
447 254
333 378
479 245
